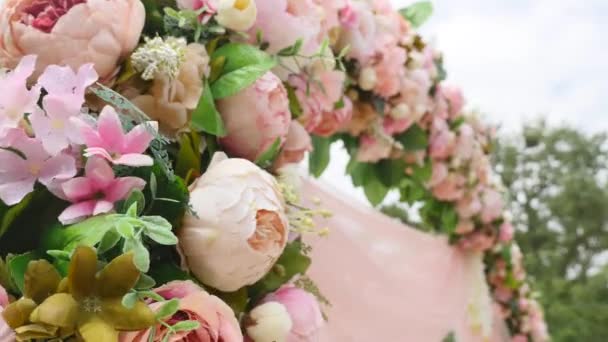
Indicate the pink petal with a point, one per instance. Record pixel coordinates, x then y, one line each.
11 163
78 189
77 212
98 151
31 148
103 207
139 138
12 193
135 160
99 172
86 76
53 138
110 129
121 188
61 167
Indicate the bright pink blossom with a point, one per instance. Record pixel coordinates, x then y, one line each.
109 141
96 192
16 99
19 173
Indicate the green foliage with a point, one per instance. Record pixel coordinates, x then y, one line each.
17 265
267 157
417 13
205 117
414 139
556 178
318 159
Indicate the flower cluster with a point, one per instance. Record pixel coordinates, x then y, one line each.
144 148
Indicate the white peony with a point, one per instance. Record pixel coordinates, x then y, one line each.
239 227
238 15
271 323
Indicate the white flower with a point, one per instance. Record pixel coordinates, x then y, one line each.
238 15
158 57
368 78
272 323
400 111
240 228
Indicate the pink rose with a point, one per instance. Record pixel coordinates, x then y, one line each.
492 205
297 144
73 33
390 70
373 149
506 232
451 188
217 320
334 121
255 117
442 140
318 96
304 310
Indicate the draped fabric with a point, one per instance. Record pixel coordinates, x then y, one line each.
389 282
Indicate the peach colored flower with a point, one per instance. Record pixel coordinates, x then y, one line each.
73 33
373 149
298 142
171 101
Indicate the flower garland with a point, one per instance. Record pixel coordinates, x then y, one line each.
145 187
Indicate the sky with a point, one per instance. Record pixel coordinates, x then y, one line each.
516 60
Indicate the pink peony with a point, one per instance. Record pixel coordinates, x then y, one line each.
16 99
256 117
73 32
19 173
111 143
373 149
304 310
96 192
297 144
217 320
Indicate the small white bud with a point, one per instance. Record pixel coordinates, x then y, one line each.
368 78
237 15
272 323
401 111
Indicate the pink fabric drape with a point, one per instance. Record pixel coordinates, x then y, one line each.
388 282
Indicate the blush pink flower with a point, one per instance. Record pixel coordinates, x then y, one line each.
359 31
216 318
478 241
506 232
195 5
492 205
439 173
442 140
19 173
451 188
334 121
110 142
298 142
303 308
96 192
256 117
390 70
520 338
16 99
372 149
468 206
72 32
6 333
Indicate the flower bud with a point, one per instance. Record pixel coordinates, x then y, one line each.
271 323
368 78
401 111
238 15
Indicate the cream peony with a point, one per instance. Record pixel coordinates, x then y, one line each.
240 228
238 15
71 33
270 322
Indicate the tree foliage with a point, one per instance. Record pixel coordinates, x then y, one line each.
557 180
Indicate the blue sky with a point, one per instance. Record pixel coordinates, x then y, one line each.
518 59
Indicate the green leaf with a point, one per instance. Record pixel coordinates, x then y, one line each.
141 255
59 254
87 233
159 230
266 158
125 229
449 219
189 156
150 295
391 172
136 198
11 213
186 326
423 173
417 13
109 240
206 118
145 282
129 300
451 337
17 266
292 50
294 104
414 139
168 309
375 191
318 160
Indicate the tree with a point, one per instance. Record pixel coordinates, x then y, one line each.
557 181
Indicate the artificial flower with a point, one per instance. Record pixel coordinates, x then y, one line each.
240 229
171 101
373 149
217 320
451 188
389 70
298 142
269 322
255 118
61 82
492 205
96 192
506 232
336 120
442 140
110 142
6 333
237 15
363 117
207 7
304 310
26 163
72 33
87 303
359 31
368 78
16 98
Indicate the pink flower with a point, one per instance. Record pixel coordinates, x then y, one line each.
256 117
304 310
390 70
464 227
439 173
318 96
217 320
359 33
62 82
16 99
451 188
503 294
478 241
3 298
195 5
492 205
71 33
298 142
373 149
465 143
519 338
110 142
468 206
19 173
348 16
334 121
96 192
442 140
506 232
455 99
6 333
